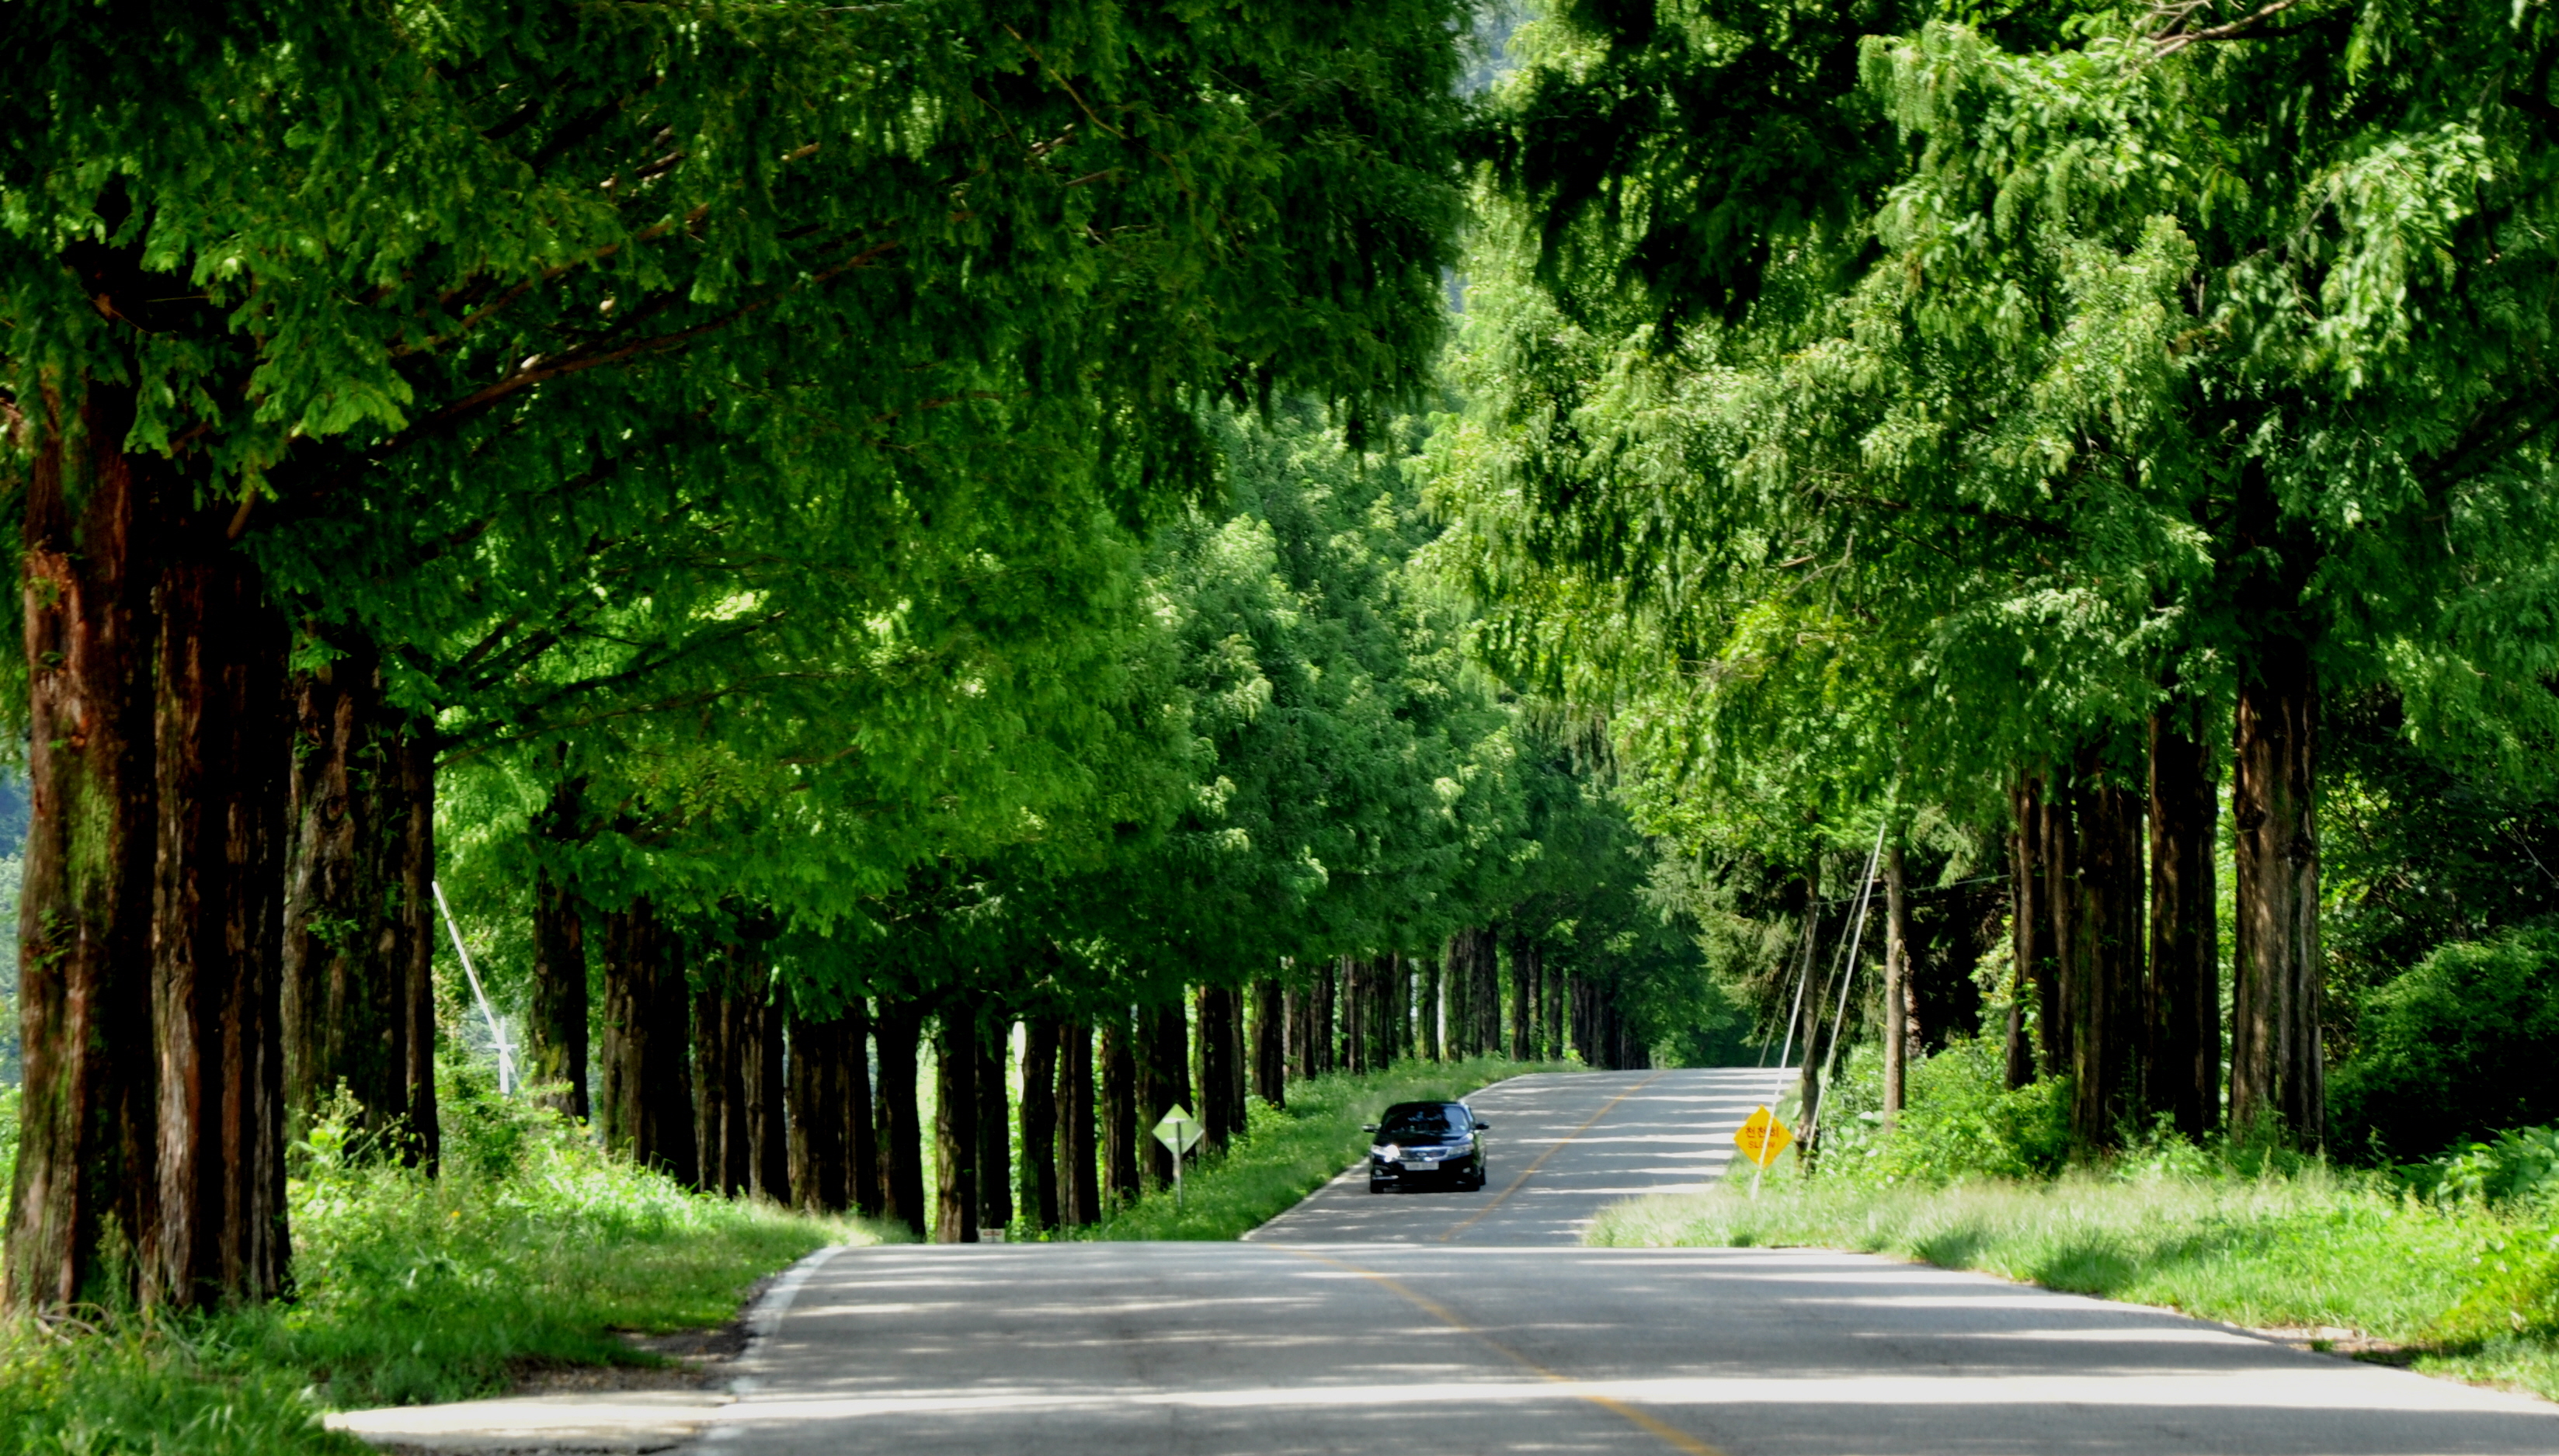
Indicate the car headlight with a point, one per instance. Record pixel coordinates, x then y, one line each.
1388 1151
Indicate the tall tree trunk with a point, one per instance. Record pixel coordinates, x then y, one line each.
1896 985
1489 991
1164 1080
1455 1009
719 1080
648 1062
1217 1040
897 1032
1119 1100
347 952
557 1008
767 1126
1523 995
1271 1042
1434 1009
954 1125
85 1183
414 759
1082 1141
1319 1041
2183 1075
866 1176
1040 1038
822 1057
2278 1071
2054 992
995 1125
2105 960
2029 920
223 747
1355 1017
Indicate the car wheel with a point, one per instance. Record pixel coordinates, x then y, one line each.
1376 1187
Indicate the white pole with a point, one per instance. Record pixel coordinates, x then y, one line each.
1830 1058
506 1059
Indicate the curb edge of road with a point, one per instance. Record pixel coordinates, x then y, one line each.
763 1318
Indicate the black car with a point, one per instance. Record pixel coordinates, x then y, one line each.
1421 1143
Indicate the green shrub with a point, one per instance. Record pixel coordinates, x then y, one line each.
2454 1049
1959 1121
531 1248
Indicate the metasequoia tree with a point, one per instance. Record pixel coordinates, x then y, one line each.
2088 436
259 333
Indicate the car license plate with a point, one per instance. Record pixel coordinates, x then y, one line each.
1421 1165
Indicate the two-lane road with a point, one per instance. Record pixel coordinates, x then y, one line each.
1562 1148
1474 1323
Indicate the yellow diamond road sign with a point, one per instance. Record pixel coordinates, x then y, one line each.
1763 1137
1179 1131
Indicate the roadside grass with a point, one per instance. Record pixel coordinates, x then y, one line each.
2459 1287
1286 1156
528 1251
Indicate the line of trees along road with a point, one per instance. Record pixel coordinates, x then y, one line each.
2018 424
750 495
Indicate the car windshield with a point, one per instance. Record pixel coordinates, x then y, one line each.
1422 1119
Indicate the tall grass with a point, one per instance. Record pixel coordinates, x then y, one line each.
2455 1285
530 1249
1286 1156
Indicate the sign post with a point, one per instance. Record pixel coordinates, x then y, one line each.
1182 1132
1761 1138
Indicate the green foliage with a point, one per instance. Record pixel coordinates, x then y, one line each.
2456 1047
1286 1156
530 1250
2313 1247
2520 1166
1960 1120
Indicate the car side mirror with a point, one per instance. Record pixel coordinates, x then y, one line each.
1368 1127
1482 1126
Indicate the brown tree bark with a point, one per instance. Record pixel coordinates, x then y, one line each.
2278 1071
1080 1136
1524 997
1271 1042
413 761
2183 1076
648 1062
1427 1007
1896 985
1040 1038
2030 921
2104 978
1163 1079
2054 990
1322 1011
555 1012
768 1123
820 1114
865 1175
348 956
719 1082
1217 1041
224 754
898 1031
1120 1102
555 1046
86 1186
995 1125
954 1125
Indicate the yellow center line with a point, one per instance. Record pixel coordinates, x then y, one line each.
1531 1170
1668 1434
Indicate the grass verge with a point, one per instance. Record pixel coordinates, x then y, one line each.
2455 1289
1287 1154
530 1250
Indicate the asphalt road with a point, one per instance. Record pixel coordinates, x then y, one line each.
1441 1323
1434 1323
1561 1148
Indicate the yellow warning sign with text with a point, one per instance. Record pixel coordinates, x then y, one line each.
1763 1137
